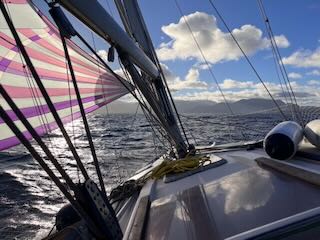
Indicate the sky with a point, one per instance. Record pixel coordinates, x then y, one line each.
293 22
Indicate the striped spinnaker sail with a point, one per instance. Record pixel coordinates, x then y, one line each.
42 42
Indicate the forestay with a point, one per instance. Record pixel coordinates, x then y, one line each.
42 42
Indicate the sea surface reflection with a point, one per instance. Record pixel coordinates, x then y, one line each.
124 143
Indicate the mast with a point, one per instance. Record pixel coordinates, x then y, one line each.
151 79
135 26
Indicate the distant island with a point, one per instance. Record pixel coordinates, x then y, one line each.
239 107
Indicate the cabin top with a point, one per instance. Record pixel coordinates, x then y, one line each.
243 197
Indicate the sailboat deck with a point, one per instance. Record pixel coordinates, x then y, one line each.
237 199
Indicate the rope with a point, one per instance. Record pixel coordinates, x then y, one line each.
125 138
150 119
145 111
247 58
102 90
115 75
166 89
83 114
128 188
147 116
71 113
276 60
54 225
280 62
155 143
125 190
39 159
188 163
274 48
154 128
142 104
174 105
36 137
165 122
115 151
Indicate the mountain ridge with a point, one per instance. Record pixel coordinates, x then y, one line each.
205 106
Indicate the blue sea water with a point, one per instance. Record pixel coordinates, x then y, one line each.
124 143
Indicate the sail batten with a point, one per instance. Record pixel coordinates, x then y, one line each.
42 42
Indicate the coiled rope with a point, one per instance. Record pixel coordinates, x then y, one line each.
168 166
188 163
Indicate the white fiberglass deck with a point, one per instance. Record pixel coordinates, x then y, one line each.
226 201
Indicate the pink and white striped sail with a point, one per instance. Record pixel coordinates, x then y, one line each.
41 40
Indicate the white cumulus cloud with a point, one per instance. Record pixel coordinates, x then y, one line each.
303 58
314 82
176 83
191 80
294 75
234 90
216 44
234 84
314 73
103 54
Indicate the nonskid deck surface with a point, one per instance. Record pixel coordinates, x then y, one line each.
224 201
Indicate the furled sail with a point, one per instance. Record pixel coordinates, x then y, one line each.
42 42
